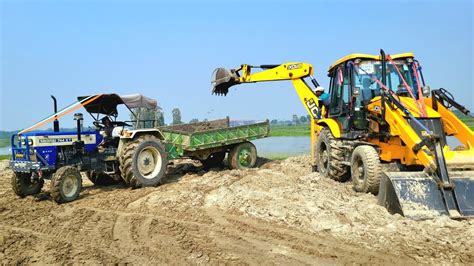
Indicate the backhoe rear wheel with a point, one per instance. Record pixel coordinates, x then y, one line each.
143 162
66 184
330 157
366 169
23 185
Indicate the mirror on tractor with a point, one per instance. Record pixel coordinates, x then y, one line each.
356 92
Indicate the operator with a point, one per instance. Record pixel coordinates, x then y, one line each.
108 127
324 100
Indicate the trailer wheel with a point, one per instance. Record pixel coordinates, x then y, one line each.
366 169
143 162
242 156
214 159
330 157
23 185
101 178
66 184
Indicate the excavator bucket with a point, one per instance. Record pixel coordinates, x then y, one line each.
222 80
419 196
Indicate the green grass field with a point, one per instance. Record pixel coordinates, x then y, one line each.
4 142
5 157
286 131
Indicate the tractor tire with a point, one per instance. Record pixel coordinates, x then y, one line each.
100 178
66 184
366 169
330 157
214 159
23 186
242 156
143 162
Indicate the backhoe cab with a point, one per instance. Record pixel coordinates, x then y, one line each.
381 111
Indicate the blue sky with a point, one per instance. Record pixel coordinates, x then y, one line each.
167 50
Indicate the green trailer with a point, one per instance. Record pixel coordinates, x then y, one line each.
210 141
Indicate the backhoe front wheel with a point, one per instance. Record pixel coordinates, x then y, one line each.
242 156
330 157
66 184
23 185
366 169
143 162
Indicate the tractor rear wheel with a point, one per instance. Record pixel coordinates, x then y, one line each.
23 185
366 169
330 157
66 184
242 156
101 178
143 162
214 159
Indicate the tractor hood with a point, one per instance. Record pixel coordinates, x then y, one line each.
107 103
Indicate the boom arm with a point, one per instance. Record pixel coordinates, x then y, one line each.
223 79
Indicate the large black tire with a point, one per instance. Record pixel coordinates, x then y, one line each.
23 186
366 169
101 179
66 184
143 162
214 159
242 156
330 157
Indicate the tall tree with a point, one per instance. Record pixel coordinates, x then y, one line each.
147 118
295 119
176 116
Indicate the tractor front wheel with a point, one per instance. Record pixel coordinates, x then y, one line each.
23 185
66 184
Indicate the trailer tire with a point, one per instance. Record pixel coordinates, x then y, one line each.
23 186
135 162
242 156
101 178
66 184
214 159
330 157
366 169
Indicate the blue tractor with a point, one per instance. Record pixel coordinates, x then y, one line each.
113 151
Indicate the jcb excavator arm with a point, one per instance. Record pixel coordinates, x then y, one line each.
223 79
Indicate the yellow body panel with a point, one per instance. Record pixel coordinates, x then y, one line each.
367 56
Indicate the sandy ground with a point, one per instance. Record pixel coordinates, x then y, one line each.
279 213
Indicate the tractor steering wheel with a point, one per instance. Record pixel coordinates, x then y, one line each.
98 125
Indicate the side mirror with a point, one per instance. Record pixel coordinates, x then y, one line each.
426 90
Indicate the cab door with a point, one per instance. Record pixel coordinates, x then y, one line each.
340 91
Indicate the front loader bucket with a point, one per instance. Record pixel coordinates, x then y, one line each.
222 80
417 195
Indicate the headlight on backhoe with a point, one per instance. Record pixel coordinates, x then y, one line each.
426 90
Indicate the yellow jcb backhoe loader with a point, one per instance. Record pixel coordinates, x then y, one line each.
381 111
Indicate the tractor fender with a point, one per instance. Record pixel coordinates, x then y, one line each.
332 125
132 134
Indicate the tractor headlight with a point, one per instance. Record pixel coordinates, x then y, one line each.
30 142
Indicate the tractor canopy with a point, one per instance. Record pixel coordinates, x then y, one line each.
107 103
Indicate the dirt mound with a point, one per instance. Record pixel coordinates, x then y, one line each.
277 213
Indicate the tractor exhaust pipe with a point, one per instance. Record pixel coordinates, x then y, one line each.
56 121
